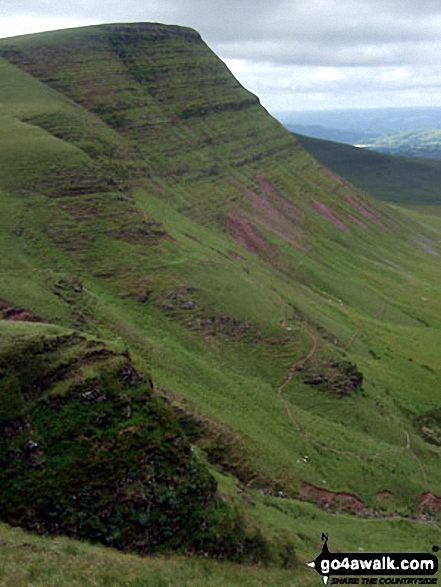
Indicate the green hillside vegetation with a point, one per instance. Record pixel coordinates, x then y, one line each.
85 434
279 329
402 180
49 562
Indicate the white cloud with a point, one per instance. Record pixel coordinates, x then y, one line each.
392 76
329 74
287 87
27 23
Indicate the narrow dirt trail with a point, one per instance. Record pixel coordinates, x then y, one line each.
296 423
376 314
319 443
407 448
289 377
417 460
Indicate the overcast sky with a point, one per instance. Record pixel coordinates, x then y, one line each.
294 54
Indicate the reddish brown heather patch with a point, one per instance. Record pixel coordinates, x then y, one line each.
266 213
7 312
328 215
244 233
334 500
261 203
280 201
366 213
430 501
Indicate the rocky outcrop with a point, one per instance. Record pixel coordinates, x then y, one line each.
430 504
339 378
89 451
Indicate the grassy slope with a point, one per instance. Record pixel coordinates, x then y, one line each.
135 208
401 180
49 562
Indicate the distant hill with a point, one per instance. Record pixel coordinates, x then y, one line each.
425 143
360 123
349 137
390 178
408 132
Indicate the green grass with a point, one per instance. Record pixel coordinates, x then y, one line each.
46 563
179 222
54 561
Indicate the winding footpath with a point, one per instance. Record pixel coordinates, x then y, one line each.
289 377
295 366
360 330
296 423
287 407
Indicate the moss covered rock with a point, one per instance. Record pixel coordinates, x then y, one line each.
88 450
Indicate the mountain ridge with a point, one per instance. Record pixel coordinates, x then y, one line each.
180 219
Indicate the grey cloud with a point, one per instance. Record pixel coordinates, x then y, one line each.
296 52
275 36
295 31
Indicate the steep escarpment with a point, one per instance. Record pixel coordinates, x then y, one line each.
290 320
166 114
156 86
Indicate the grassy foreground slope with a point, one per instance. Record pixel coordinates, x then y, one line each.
291 322
49 562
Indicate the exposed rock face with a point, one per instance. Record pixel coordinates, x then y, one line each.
337 378
333 500
430 504
429 426
9 312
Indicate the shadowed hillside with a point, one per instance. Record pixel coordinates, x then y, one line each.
289 321
400 180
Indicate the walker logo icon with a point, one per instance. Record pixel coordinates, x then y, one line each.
368 564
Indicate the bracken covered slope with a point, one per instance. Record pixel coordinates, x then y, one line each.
290 321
